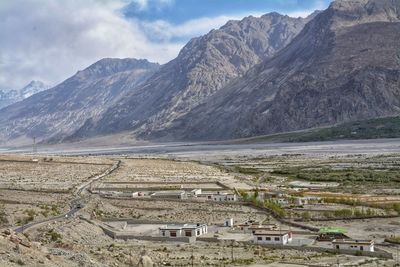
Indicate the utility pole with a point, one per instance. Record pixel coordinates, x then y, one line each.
232 250
34 145
192 258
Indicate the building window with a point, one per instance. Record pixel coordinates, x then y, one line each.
267 238
337 246
361 248
259 238
198 232
163 233
276 238
173 234
188 233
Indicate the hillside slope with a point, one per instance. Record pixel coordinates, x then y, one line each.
58 112
204 66
343 66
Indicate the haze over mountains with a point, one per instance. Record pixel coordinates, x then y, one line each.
251 77
12 96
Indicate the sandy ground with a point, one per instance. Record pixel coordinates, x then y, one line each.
79 243
375 229
164 171
210 212
47 174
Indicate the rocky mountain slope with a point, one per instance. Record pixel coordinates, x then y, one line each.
10 97
251 77
343 66
205 65
60 111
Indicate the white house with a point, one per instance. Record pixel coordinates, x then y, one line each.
273 237
361 245
194 193
219 196
183 230
222 197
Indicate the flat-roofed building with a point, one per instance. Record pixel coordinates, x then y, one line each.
245 227
273 237
169 194
183 230
194 193
350 244
262 227
219 196
223 197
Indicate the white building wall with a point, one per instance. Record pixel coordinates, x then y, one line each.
167 233
273 240
228 222
201 230
354 247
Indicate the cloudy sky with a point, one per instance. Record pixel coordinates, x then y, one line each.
50 40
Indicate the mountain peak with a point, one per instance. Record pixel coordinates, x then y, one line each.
351 12
36 83
32 88
109 66
9 97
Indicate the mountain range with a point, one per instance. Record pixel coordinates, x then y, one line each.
12 96
60 111
251 77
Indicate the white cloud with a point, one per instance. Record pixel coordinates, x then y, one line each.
302 13
165 31
51 40
158 4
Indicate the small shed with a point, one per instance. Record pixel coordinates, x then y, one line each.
228 222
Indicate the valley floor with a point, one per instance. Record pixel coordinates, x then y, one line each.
357 183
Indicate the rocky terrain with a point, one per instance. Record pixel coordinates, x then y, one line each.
54 113
79 239
252 77
75 108
203 66
343 66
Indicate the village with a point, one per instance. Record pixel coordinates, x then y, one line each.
160 203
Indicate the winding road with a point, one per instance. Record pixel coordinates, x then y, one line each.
75 205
